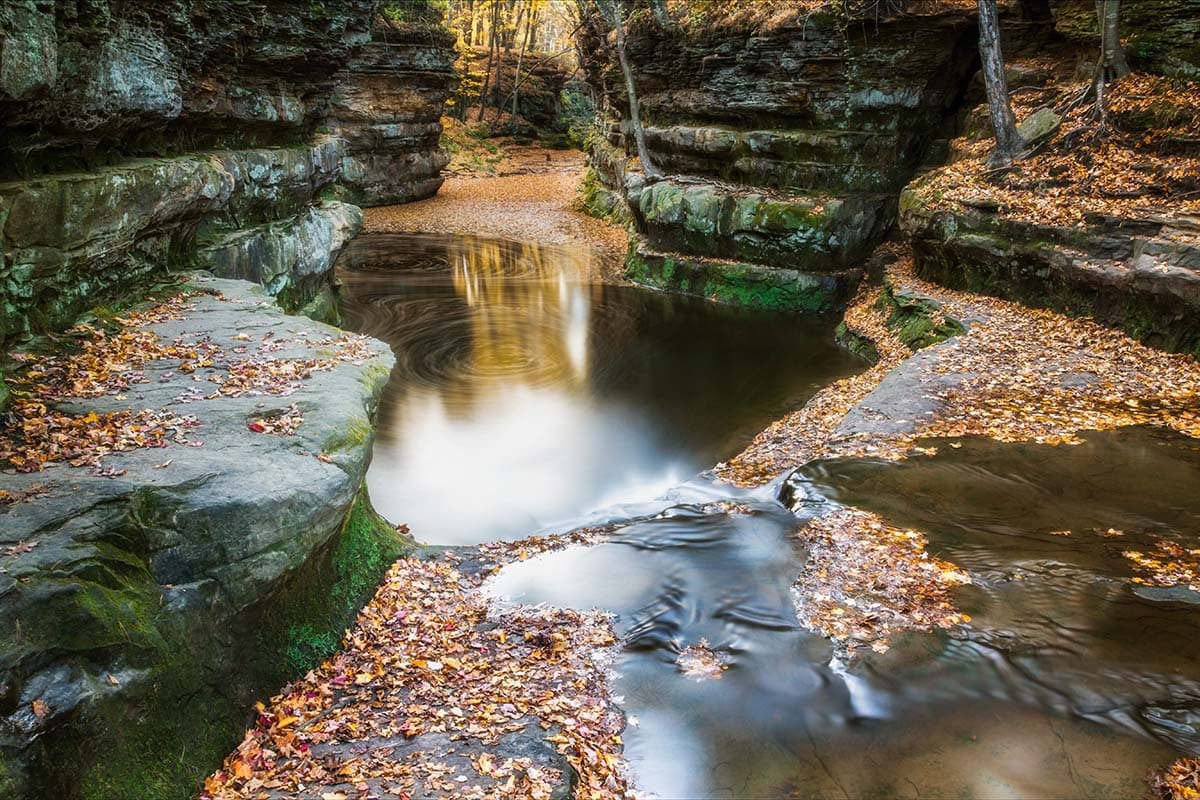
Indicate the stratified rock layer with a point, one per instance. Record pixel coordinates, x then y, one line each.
145 612
1139 273
73 240
139 137
784 148
81 82
388 108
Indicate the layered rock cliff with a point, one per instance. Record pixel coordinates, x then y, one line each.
784 147
388 107
786 144
1098 220
178 542
139 137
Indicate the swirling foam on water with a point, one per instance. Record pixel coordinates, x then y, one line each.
525 394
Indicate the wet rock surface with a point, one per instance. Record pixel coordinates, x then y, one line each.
150 597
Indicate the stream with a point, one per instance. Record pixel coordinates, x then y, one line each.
529 397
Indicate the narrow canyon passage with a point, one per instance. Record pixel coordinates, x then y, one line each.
599 399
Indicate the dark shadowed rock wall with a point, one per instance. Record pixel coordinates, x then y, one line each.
140 136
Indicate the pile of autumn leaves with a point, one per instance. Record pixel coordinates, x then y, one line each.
428 656
35 431
865 580
1145 158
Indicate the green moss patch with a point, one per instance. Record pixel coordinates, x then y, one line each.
173 689
366 547
731 283
917 322
856 343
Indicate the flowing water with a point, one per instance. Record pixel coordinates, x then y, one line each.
527 394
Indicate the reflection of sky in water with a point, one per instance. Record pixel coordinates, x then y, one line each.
523 458
526 395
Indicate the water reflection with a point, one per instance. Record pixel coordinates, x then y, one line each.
1068 683
525 393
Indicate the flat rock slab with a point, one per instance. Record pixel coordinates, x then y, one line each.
101 566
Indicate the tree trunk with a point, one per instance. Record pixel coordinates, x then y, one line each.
661 15
611 11
530 22
1008 142
1112 58
487 75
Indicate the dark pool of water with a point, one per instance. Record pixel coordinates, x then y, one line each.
1067 683
526 393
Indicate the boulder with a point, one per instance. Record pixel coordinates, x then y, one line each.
148 604
1039 125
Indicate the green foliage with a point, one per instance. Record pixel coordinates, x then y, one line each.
415 12
579 114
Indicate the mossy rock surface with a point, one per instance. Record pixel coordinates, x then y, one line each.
917 322
1128 273
157 606
77 240
709 221
747 285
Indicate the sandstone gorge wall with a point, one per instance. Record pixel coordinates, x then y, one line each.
387 107
146 605
784 149
1130 257
142 136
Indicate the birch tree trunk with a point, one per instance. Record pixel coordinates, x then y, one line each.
611 11
1112 57
530 24
487 74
